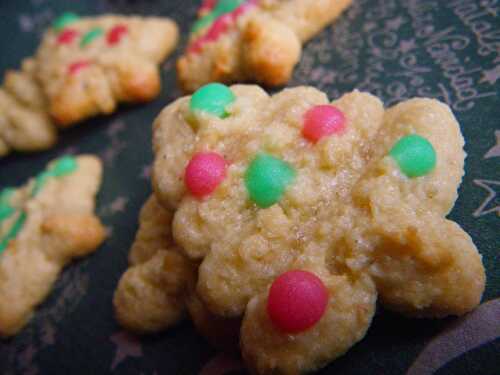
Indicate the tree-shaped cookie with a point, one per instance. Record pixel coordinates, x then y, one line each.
43 226
252 40
24 122
88 65
303 211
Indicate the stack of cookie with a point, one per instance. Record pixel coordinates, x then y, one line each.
278 221
83 67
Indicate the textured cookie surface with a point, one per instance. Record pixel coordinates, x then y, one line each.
88 65
250 40
150 294
348 191
24 122
43 226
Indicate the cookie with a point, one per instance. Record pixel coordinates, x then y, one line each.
159 288
88 65
339 203
250 40
24 122
43 226
150 295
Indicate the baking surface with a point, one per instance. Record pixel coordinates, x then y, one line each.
394 49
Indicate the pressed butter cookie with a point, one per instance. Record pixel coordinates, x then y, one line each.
88 65
43 226
302 212
250 40
83 67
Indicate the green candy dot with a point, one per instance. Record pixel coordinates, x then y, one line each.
226 6
64 20
13 232
6 194
96 32
203 22
64 166
40 182
212 98
415 155
6 210
267 178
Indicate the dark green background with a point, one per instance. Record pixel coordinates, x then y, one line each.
378 46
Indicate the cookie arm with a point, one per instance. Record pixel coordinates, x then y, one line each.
24 128
26 278
349 312
308 17
423 264
270 50
149 297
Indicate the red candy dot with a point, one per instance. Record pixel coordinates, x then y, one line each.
243 8
297 301
219 27
207 6
196 46
67 36
116 34
77 66
321 121
204 173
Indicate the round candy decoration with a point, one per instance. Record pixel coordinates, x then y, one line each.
77 66
297 300
414 155
267 178
204 172
116 34
322 121
218 28
212 98
67 36
94 33
64 20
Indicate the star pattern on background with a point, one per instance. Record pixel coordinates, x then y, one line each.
146 172
491 76
407 45
126 346
109 231
71 150
490 204
115 145
395 23
495 150
369 26
119 205
115 128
